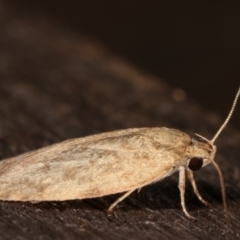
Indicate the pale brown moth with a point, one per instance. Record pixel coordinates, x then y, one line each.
108 163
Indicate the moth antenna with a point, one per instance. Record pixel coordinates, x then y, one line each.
202 137
228 117
223 191
220 177
211 142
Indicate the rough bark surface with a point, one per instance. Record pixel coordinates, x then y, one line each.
55 85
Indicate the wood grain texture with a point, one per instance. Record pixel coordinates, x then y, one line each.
57 85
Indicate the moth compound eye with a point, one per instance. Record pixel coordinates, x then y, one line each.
195 163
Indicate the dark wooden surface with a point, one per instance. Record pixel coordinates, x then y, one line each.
56 84
192 46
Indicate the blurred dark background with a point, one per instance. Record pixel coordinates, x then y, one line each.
193 45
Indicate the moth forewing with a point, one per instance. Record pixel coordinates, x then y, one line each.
93 166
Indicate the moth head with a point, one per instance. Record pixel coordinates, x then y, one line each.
200 154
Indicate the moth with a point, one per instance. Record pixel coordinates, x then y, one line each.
108 163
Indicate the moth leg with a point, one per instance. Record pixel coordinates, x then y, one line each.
194 186
110 209
181 186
